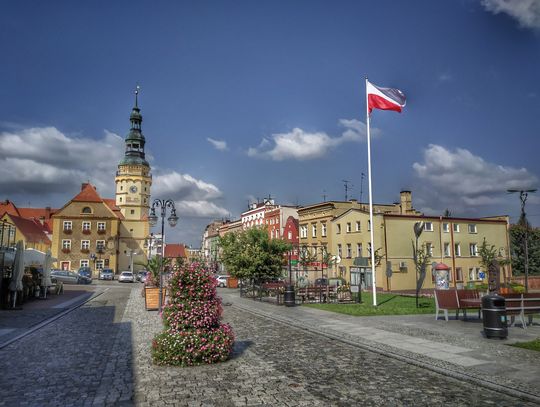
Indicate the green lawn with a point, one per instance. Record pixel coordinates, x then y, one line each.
532 345
389 304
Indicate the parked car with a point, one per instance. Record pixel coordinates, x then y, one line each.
69 277
86 272
126 277
106 274
222 280
143 275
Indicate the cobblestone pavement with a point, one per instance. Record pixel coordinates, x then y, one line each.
100 355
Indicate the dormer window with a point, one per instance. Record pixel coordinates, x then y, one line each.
86 209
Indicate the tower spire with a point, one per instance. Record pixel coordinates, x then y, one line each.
137 88
134 153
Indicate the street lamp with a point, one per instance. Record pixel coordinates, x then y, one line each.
173 220
523 194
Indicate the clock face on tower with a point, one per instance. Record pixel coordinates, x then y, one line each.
133 189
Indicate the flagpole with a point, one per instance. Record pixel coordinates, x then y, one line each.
372 226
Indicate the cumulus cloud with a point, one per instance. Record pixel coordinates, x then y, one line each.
526 12
193 197
460 180
299 144
38 160
218 144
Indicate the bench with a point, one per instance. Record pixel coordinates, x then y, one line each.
454 299
520 305
316 293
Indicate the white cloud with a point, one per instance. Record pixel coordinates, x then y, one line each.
218 144
193 197
38 160
445 77
299 144
526 12
462 181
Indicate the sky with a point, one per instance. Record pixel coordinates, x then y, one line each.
243 100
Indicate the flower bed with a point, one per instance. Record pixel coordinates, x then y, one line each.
193 333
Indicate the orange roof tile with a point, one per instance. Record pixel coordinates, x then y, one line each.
32 231
88 194
8 207
111 203
175 250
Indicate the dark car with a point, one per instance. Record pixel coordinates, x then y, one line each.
85 272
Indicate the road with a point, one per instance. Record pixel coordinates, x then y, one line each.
99 355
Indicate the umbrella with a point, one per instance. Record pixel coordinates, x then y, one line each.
46 279
18 271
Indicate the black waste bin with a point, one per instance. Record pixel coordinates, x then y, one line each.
494 316
289 296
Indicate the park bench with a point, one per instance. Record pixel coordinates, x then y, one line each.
454 299
520 305
316 293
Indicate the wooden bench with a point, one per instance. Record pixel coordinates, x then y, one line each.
520 305
454 299
316 293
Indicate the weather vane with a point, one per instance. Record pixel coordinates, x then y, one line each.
137 88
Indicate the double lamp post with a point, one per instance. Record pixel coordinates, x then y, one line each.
173 220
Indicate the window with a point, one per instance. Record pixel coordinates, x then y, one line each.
369 225
447 250
120 199
323 230
445 227
85 263
428 226
133 211
358 226
85 244
474 273
473 249
100 264
349 251
459 274
121 188
349 227
339 252
86 209
358 249
313 230
472 228
369 248
456 228
86 226
429 248
457 250
100 244
66 244
101 227
338 231
68 225
303 231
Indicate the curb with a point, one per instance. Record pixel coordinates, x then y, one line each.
449 370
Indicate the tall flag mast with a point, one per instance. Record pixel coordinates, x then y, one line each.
384 99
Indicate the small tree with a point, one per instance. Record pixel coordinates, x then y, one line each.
153 266
421 258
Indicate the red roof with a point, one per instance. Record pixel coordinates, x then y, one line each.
8 207
175 250
31 230
111 203
88 194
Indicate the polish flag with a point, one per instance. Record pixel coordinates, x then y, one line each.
384 98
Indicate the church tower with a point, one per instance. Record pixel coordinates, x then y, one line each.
133 181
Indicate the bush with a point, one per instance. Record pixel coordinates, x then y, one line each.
193 333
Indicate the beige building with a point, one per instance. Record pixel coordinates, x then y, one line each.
90 231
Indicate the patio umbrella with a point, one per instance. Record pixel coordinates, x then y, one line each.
18 270
46 279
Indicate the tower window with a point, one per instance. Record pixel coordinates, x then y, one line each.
120 199
86 209
133 211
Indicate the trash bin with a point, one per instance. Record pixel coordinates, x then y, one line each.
494 316
289 296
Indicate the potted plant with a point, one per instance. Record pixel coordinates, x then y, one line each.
151 286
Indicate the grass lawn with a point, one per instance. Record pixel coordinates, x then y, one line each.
389 304
532 345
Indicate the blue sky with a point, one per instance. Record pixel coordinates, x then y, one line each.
249 98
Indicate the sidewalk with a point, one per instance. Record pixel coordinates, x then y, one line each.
456 348
14 323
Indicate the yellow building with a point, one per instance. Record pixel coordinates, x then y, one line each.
27 230
90 231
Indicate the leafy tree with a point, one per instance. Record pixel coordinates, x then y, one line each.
517 248
251 254
421 257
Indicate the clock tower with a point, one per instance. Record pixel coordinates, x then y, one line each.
133 181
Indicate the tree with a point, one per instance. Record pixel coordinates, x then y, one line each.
153 266
421 258
251 254
517 249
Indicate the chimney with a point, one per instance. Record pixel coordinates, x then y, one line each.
84 185
47 212
406 202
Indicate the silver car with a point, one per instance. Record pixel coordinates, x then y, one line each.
126 277
66 276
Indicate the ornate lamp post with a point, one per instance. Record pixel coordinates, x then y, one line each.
173 220
523 194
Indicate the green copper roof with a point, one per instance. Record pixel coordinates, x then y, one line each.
134 154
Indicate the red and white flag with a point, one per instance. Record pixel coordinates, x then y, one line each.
384 98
